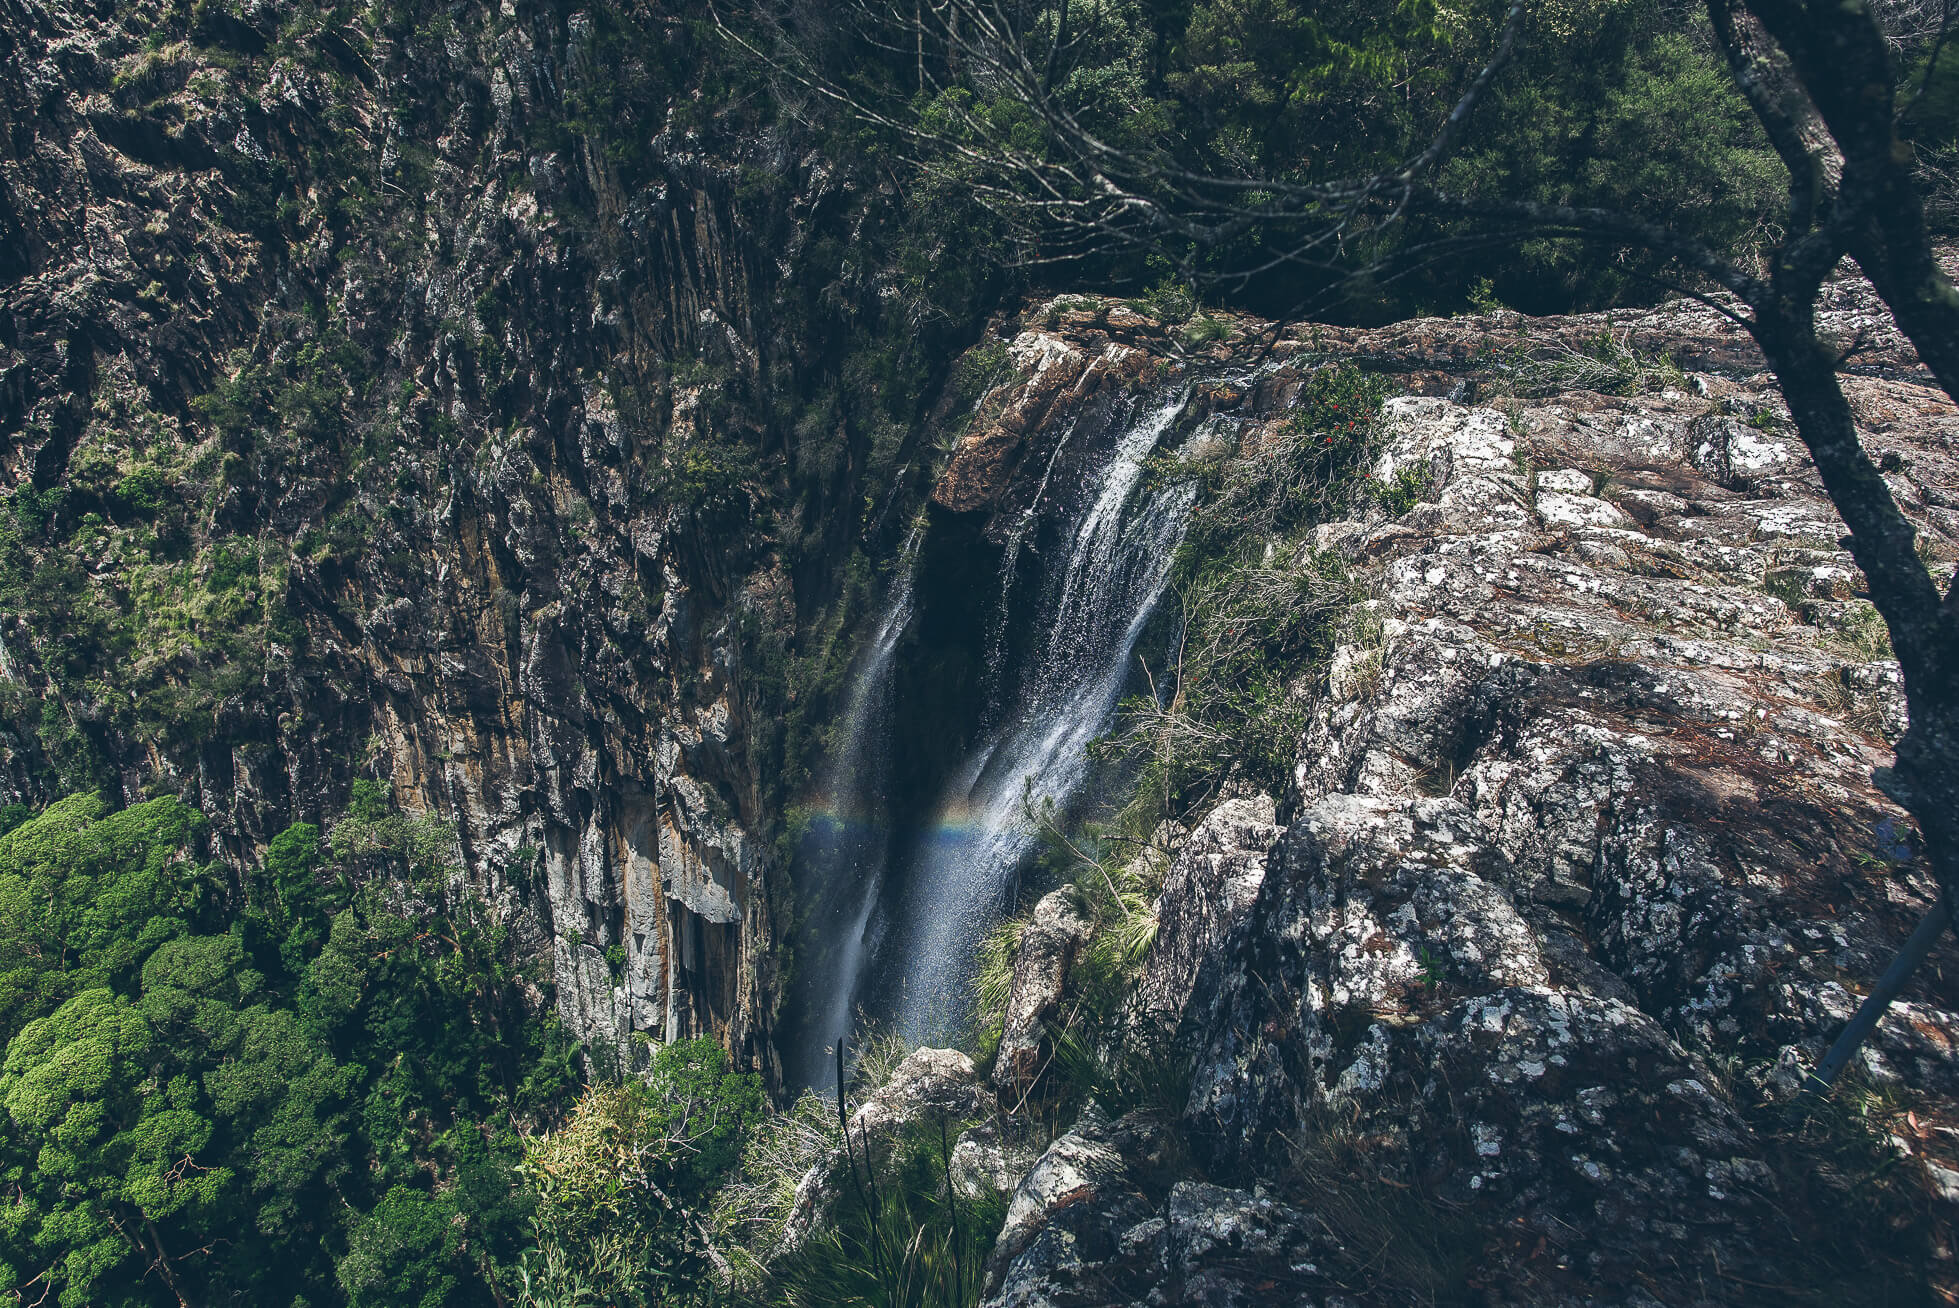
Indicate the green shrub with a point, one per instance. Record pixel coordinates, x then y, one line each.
1206 330
1408 487
710 478
1312 472
624 1187
752 1208
1255 638
904 1237
403 1253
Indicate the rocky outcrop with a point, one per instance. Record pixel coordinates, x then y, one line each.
1581 861
1064 388
369 410
1047 949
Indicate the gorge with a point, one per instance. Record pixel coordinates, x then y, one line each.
562 586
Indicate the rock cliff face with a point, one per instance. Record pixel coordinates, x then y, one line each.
1581 857
382 399
442 395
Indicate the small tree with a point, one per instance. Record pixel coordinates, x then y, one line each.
622 1188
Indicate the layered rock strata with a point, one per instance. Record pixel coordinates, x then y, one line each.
474 342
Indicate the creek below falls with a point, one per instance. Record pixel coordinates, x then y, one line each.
1004 644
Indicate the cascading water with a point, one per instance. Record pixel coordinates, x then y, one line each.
900 900
1036 750
841 863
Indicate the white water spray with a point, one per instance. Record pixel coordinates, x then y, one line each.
1037 752
845 852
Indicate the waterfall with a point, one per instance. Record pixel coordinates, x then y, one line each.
897 902
1034 747
843 854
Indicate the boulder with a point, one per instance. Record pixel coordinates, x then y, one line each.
1209 888
1047 950
930 1085
1096 1223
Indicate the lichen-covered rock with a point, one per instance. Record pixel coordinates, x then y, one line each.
1047 950
1064 1213
929 1083
1370 911
992 1157
1097 1222
1587 829
1576 1120
1206 892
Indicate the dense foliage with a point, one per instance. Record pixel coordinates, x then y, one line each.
623 1187
310 1096
1621 103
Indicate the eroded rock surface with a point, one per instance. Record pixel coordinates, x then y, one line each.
1582 850
1100 1220
1047 950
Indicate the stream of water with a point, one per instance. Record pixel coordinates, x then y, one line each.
910 910
843 855
1035 751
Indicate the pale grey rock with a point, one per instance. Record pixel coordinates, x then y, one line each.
939 1087
1208 890
1094 1224
1568 481
1047 950
991 1158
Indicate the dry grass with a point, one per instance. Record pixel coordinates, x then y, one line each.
1605 365
753 1208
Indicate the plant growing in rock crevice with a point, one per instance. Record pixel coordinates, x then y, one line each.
1234 695
1259 612
904 1238
1408 487
1605 364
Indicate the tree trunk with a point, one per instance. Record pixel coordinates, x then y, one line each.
1924 631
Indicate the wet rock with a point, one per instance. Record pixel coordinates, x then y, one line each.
1055 377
